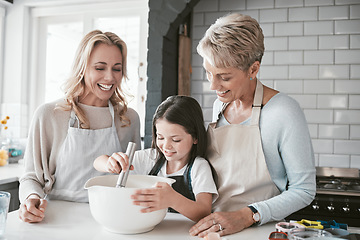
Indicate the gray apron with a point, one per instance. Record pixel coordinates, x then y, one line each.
236 153
74 165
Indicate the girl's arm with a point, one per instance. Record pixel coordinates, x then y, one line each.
112 164
164 196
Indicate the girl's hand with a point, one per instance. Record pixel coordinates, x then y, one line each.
116 162
153 199
224 223
33 209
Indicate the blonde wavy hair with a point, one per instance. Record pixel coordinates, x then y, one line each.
75 84
234 40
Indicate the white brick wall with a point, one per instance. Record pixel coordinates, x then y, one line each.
313 55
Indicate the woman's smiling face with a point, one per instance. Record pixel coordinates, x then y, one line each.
229 83
102 75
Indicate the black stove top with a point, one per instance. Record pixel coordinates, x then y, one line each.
337 197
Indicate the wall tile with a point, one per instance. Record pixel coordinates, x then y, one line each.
319 116
347 86
198 19
354 101
207 115
355 132
318 2
334 42
303 72
303 14
206 6
318 28
354 11
274 72
273 15
318 86
276 43
208 100
305 101
334 71
211 17
347 56
198 32
288 57
303 43
288 4
329 160
289 86
197 73
260 4
347 147
230 5
268 29
355 161
347 27
355 71
332 101
354 41
313 129
196 60
196 87
289 29
322 145
346 2
333 12
319 57
334 131
268 58
347 116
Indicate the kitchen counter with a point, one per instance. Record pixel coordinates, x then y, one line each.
11 172
69 220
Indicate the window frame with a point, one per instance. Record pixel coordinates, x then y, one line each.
84 12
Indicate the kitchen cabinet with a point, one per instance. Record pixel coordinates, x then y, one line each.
9 182
13 189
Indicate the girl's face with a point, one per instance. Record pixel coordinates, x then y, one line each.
229 83
173 141
102 75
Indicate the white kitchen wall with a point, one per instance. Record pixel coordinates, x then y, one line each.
312 53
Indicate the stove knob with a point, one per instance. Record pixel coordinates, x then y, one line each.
346 208
331 208
315 207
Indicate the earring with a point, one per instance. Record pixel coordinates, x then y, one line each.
251 78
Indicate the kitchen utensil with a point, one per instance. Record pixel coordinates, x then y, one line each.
307 233
121 182
113 207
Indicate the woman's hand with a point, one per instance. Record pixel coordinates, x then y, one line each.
33 209
116 162
153 199
224 223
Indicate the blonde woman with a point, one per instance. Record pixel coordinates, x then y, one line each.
66 135
260 145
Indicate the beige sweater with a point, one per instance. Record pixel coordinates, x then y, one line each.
47 134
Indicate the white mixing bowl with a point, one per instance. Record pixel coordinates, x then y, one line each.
113 208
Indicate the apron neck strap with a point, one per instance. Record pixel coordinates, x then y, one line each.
74 118
255 116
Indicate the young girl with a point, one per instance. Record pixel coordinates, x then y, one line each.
178 148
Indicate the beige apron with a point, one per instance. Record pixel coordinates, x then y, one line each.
236 153
74 165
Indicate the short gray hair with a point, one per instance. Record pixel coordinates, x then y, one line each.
234 40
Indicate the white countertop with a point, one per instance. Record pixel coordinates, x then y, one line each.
69 220
11 172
